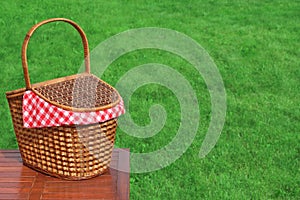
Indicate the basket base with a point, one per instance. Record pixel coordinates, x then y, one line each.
70 178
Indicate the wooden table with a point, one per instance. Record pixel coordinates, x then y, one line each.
20 182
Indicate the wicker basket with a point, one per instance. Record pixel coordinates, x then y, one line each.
72 152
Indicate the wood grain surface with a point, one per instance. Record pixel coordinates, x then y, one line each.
20 182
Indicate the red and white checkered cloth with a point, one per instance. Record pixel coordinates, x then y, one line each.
39 113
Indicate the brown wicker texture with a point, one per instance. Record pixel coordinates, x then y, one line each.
69 152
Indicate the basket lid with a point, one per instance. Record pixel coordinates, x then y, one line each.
81 93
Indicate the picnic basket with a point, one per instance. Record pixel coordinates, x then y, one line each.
79 149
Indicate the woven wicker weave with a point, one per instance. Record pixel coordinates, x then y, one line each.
71 152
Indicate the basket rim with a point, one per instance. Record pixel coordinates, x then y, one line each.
14 93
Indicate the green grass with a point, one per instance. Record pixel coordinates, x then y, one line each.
255 45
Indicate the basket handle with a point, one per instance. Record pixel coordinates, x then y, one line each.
31 31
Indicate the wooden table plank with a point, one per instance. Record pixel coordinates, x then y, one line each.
20 182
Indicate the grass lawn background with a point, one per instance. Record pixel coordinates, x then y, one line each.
255 45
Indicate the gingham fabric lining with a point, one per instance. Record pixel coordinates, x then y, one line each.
38 113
